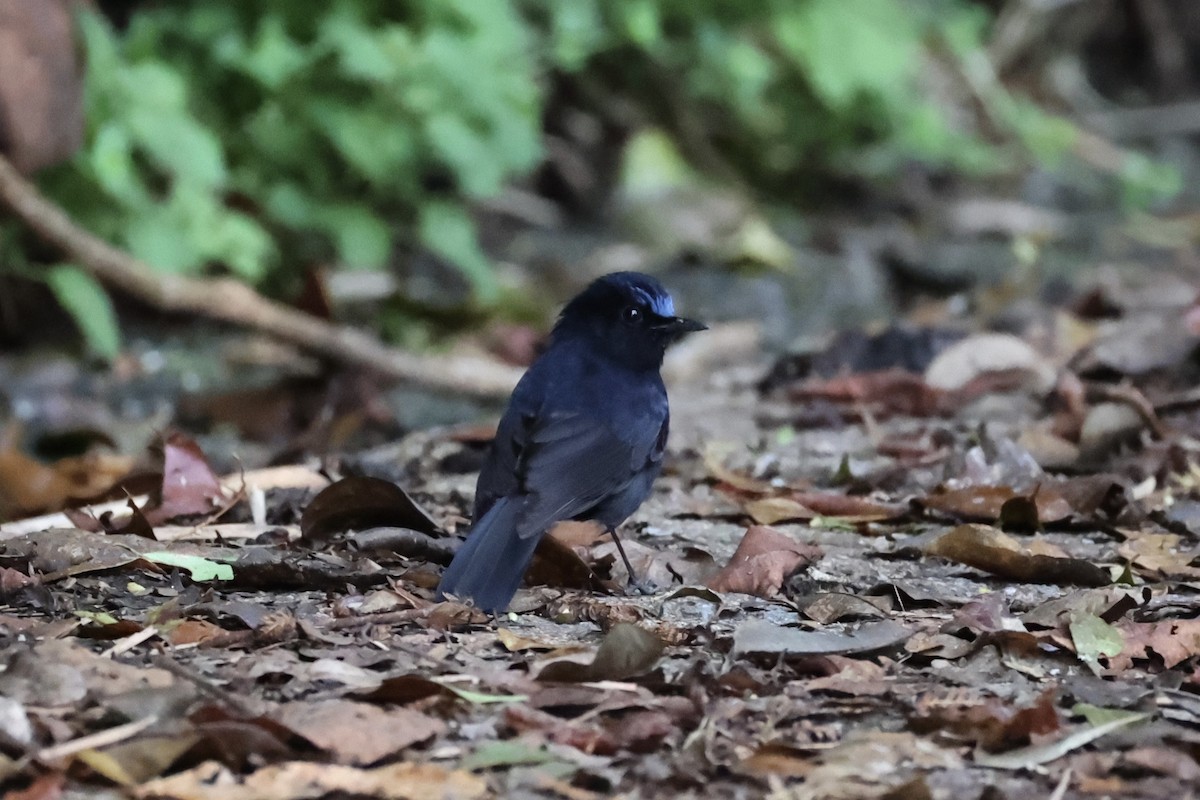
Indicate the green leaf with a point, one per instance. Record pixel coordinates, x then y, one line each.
111 160
363 240
96 617
517 753
480 698
642 22
201 569
274 57
475 165
89 306
1096 715
447 230
851 47
1094 638
653 165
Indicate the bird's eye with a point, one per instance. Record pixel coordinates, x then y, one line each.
632 315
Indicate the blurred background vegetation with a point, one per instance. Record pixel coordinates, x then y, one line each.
265 139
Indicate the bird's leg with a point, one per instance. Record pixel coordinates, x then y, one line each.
634 583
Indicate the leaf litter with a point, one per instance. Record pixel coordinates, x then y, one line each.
968 569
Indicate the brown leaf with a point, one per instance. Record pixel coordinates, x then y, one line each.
557 564
357 733
302 780
28 486
361 502
625 652
1163 555
189 485
990 722
193 631
890 391
995 552
1171 641
770 510
764 559
46 787
987 503
849 507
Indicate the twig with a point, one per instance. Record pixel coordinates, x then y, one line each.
230 701
1130 396
227 300
104 738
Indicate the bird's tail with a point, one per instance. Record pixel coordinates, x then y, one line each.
489 566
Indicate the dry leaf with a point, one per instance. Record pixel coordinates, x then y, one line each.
993 551
764 559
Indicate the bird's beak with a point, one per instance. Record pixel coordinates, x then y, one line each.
678 326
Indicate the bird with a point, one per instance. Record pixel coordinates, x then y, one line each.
582 437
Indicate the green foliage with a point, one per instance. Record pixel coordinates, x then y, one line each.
254 134
258 136
85 300
786 89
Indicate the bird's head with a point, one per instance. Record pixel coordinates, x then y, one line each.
628 316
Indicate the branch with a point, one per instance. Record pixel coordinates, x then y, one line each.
227 300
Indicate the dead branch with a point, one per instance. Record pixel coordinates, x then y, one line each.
229 301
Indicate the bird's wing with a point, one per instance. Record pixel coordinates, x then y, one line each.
569 463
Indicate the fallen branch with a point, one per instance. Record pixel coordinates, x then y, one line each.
227 300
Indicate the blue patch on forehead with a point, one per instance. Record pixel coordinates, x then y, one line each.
660 304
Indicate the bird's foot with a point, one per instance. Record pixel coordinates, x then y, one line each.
642 586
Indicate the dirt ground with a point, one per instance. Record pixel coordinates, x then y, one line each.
918 562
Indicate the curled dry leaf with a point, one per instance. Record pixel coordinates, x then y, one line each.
625 652
989 504
967 360
764 559
361 502
557 564
997 553
189 485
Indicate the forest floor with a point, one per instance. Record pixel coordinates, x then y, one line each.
925 561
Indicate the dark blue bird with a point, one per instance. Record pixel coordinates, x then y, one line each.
582 437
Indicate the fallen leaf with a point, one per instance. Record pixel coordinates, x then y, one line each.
626 651
836 606
302 780
764 559
357 733
515 752
890 391
990 723
761 637
139 760
1095 639
995 552
189 485
770 510
198 567
1036 755
361 502
987 503
1173 641
559 565
973 357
